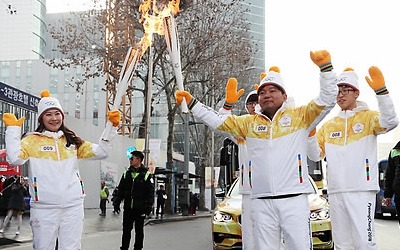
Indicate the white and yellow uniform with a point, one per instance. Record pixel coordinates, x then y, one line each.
244 185
349 143
55 184
278 151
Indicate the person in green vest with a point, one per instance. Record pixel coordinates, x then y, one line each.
136 189
104 193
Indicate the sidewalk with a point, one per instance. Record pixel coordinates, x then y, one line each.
93 223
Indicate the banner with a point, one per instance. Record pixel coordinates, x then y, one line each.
154 147
7 169
108 174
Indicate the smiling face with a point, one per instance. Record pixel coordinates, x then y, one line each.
347 97
270 99
52 120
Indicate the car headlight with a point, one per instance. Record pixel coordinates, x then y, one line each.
320 214
222 217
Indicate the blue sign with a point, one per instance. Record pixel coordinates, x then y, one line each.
129 151
18 97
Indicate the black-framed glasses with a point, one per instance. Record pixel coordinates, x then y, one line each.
345 91
251 104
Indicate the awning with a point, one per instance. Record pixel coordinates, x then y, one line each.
191 176
163 171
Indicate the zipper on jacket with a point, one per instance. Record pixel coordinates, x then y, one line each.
57 151
345 128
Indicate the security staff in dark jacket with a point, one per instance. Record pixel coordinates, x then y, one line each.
136 188
392 179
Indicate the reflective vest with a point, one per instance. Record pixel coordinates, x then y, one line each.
103 193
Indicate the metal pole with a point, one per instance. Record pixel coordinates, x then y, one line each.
148 108
148 115
186 199
212 157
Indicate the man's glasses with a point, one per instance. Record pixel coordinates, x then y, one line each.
251 104
345 91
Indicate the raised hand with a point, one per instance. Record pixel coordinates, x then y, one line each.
114 117
232 95
180 94
377 81
10 120
322 59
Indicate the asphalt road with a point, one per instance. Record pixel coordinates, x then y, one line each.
192 234
195 235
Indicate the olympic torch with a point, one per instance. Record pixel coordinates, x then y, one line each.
131 60
172 40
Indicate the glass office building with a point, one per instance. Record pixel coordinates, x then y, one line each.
23 30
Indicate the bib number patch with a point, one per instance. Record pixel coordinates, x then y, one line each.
47 148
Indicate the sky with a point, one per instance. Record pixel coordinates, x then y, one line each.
357 33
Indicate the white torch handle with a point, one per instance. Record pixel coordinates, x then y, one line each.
171 37
124 79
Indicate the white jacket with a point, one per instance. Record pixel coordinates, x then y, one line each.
277 147
349 142
54 179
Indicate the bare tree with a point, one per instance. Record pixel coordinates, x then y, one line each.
214 46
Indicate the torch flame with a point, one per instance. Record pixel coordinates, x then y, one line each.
152 19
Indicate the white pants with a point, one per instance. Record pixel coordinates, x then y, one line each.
352 217
289 217
64 224
247 223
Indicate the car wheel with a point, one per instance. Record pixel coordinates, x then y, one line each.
379 215
393 215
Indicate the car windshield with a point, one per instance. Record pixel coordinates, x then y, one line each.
234 190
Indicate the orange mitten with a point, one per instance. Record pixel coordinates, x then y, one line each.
376 82
10 120
114 117
232 95
322 59
180 94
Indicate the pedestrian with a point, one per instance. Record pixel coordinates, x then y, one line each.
56 187
392 179
5 198
104 193
276 139
113 198
16 203
349 143
136 189
194 203
161 198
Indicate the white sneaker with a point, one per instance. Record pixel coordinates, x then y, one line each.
17 233
1 231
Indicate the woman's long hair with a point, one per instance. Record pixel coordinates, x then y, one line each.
72 138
